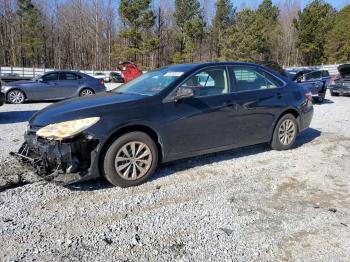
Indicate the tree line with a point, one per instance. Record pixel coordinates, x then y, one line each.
96 34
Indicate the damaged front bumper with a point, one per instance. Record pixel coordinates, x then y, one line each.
67 161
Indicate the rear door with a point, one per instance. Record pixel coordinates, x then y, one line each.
68 84
259 99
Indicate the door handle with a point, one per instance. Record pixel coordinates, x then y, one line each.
279 95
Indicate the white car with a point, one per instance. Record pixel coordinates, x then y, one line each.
102 76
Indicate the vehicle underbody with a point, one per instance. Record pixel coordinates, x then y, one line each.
68 161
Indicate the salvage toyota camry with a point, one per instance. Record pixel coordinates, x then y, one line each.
170 113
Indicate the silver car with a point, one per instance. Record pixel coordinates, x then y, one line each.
55 85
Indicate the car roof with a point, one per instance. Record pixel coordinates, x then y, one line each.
63 71
206 64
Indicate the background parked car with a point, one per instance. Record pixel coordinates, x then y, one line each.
55 85
129 70
116 77
100 75
341 84
316 81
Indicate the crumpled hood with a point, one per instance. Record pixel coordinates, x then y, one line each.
83 107
344 70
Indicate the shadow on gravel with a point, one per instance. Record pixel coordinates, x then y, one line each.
325 102
12 117
181 165
307 136
92 185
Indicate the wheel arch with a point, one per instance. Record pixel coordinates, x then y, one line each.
292 111
86 87
16 88
127 129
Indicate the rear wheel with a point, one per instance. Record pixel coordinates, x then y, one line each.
15 96
130 160
321 97
285 133
86 92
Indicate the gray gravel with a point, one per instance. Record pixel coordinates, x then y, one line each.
250 204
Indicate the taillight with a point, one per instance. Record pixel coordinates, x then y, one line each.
308 96
102 82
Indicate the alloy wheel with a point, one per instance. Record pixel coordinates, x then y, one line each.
133 160
16 97
286 132
86 92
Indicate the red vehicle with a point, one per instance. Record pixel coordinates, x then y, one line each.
129 70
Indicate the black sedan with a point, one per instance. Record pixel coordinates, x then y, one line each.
164 115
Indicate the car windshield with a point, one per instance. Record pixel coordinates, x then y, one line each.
35 78
150 83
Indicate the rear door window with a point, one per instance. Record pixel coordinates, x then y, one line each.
250 79
325 73
68 76
313 75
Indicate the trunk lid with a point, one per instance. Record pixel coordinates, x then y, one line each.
344 71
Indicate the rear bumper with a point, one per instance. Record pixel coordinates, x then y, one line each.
340 90
306 117
70 161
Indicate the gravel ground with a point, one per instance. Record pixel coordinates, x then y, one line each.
250 204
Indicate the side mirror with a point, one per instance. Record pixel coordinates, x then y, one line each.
183 92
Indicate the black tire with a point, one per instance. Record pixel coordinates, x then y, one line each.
109 167
86 91
321 97
15 96
334 94
276 143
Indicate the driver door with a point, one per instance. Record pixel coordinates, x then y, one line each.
46 87
202 122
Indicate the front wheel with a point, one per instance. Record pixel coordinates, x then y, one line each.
130 160
15 97
285 133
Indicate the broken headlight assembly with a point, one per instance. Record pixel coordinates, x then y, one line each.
67 129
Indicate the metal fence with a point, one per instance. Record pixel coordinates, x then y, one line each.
29 72
332 69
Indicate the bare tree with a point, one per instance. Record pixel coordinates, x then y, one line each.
286 52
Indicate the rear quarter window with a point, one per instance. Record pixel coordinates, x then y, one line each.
325 73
